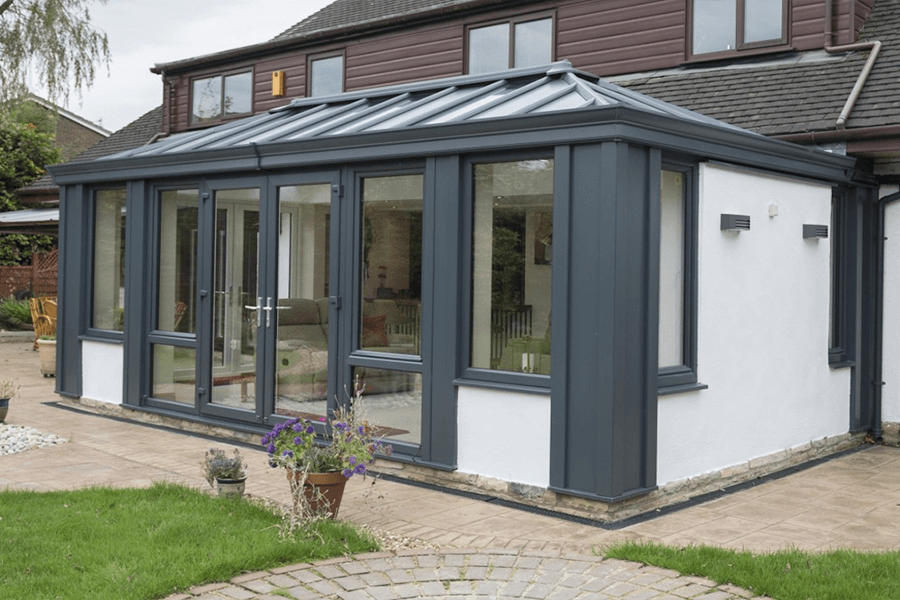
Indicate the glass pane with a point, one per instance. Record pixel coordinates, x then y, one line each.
301 375
326 76
763 20
206 99
512 265
489 49
671 270
108 310
392 402
235 297
178 261
391 264
174 373
534 43
715 22
238 93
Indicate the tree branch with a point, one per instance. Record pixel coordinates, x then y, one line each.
5 6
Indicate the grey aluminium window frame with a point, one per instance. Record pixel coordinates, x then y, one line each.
311 58
90 332
843 234
675 379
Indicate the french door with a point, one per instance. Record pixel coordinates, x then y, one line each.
279 298
243 313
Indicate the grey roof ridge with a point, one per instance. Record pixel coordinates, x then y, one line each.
553 69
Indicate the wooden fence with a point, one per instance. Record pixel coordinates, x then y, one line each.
39 278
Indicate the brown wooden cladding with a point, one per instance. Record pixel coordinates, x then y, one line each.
606 37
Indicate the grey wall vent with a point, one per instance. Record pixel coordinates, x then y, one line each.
736 222
814 231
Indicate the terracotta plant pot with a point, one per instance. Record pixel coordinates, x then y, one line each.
323 491
230 488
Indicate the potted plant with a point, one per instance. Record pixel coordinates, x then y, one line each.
8 391
229 474
47 354
318 470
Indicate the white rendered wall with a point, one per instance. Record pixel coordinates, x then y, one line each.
504 435
890 359
763 317
102 375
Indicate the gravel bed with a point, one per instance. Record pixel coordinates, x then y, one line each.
17 438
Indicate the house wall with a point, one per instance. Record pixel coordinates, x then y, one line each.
890 360
102 367
763 315
504 435
608 37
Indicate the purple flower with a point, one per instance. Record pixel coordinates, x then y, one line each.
270 448
287 453
362 430
352 460
360 468
298 426
310 429
348 473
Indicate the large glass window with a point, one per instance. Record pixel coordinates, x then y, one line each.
108 307
725 25
513 44
326 75
677 289
221 96
512 266
671 270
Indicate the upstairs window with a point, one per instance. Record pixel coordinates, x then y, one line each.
524 42
326 75
730 25
221 96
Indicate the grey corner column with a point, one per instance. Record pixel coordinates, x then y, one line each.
603 414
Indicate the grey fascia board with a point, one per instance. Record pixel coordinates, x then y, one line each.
578 126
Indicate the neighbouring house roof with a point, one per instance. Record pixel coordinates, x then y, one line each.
548 105
137 133
99 129
41 221
797 93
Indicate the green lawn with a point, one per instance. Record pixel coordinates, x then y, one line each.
786 575
140 544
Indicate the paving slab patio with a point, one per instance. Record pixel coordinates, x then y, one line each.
852 501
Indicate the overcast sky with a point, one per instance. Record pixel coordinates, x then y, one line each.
143 33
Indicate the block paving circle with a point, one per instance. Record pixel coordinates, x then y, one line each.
466 575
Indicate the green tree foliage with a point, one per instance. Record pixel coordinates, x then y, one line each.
52 40
24 150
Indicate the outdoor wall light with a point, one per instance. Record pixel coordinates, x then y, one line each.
814 231
735 222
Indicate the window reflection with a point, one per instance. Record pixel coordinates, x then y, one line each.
177 261
108 310
326 76
512 258
391 264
